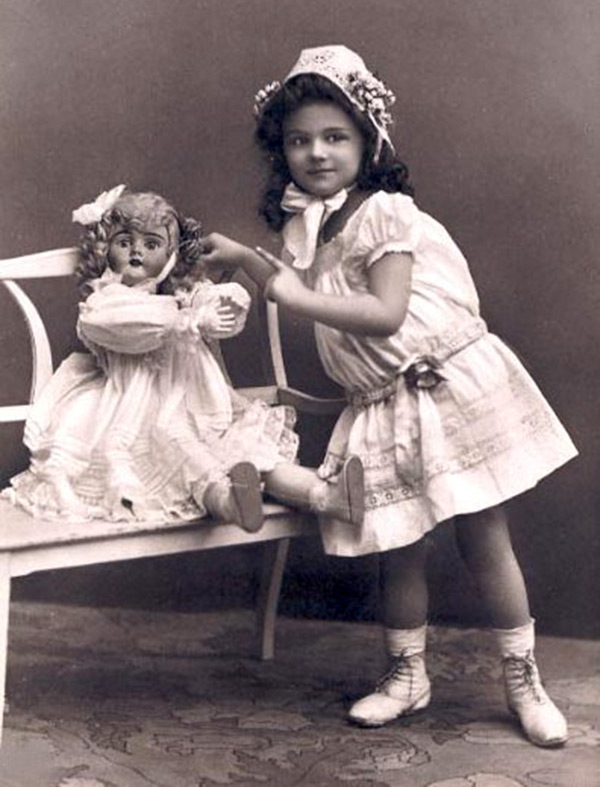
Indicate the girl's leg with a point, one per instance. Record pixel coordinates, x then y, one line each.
405 687
484 543
405 598
301 487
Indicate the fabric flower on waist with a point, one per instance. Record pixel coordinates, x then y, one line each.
301 232
422 372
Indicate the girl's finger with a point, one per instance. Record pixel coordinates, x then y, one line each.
270 258
267 291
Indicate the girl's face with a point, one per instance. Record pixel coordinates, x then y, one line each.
138 254
323 148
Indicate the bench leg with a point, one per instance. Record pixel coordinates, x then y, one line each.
276 553
4 612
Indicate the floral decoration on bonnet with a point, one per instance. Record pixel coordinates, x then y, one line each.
368 92
347 71
372 95
264 95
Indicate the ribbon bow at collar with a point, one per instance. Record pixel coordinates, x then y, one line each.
301 233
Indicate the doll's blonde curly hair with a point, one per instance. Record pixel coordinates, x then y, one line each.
141 210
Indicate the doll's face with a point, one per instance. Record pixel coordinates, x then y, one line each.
138 254
323 148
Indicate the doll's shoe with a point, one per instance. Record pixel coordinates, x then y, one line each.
247 497
403 690
541 720
344 498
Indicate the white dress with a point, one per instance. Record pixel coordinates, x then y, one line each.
484 434
147 417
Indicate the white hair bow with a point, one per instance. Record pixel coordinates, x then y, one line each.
92 212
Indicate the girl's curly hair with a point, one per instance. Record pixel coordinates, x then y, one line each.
141 210
387 174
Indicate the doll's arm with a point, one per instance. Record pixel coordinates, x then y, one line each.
219 310
124 320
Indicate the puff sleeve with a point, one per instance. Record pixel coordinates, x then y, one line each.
206 297
390 223
126 320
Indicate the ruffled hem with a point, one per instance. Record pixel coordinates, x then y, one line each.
162 479
41 499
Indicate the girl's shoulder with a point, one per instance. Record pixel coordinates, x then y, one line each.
371 212
384 217
393 205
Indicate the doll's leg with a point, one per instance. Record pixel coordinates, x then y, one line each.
300 486
484 542
237 498
405 687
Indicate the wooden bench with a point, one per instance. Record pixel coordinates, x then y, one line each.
29 545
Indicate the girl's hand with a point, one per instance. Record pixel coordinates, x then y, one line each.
284 286
222 251
226 254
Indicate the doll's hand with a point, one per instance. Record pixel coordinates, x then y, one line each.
217 320
284 286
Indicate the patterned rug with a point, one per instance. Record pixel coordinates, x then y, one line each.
129 698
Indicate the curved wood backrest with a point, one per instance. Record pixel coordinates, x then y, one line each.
62 262
41 265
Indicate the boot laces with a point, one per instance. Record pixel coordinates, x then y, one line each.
523 676
401 672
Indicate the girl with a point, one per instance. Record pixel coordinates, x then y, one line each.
446 420
146 425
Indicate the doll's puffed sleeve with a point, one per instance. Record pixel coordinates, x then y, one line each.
127 320
207 297
391 223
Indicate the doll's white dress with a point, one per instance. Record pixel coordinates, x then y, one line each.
142 424
484 434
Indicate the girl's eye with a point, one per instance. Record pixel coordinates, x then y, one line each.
152 245
336 137
295 142
123 243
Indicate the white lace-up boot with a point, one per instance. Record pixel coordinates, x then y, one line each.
541 720
405 687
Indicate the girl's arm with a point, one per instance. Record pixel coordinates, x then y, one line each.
378 312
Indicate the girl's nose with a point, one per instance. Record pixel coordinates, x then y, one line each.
317 149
